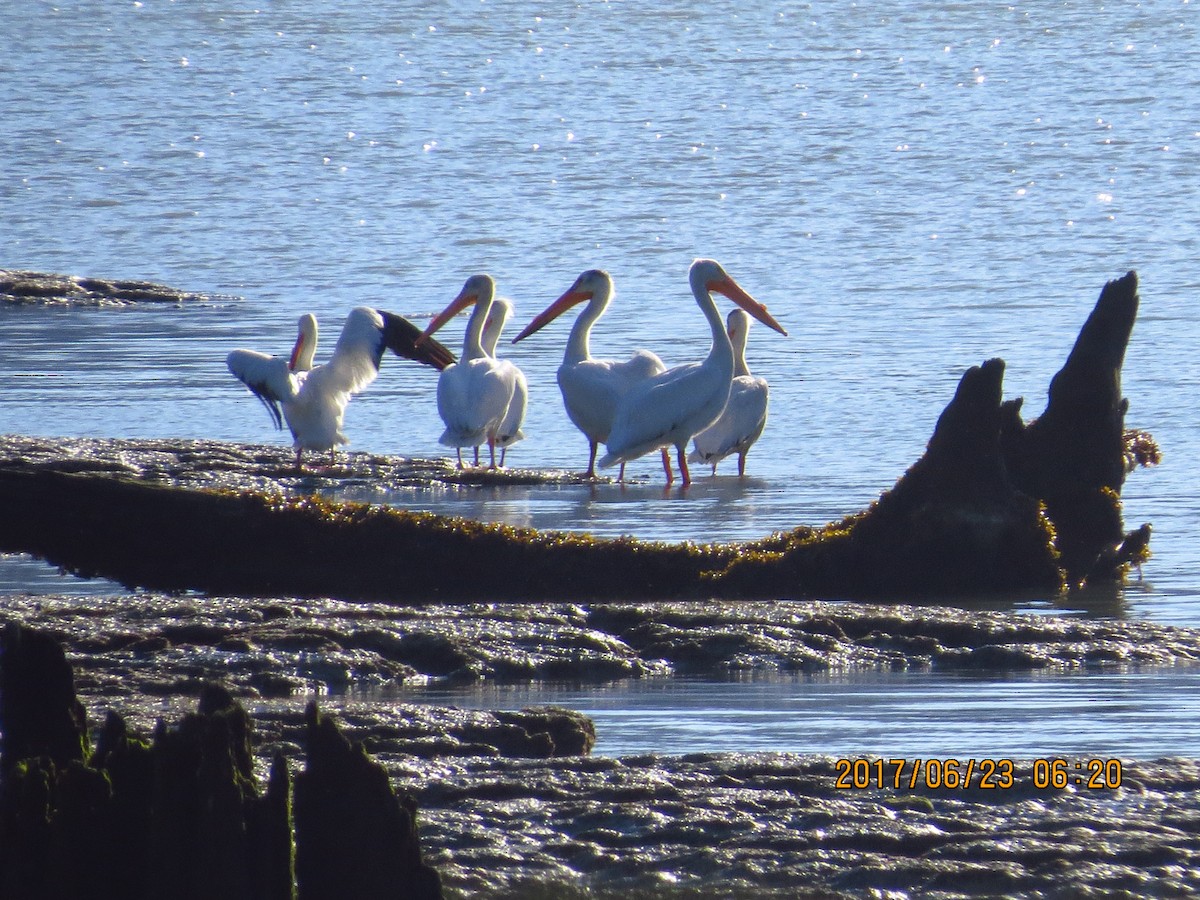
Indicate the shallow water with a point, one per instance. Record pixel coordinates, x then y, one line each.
1143 715
912 187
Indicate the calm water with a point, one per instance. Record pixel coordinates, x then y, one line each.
912 187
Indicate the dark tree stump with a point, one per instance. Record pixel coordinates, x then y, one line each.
38 707
955 523
345 809
1072 457
182 817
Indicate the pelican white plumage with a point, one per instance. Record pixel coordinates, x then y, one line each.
745 415
313 400
591 388
509 431
475 393
670 408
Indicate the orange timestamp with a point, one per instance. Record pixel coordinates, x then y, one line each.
1056 773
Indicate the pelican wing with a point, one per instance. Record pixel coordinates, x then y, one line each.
267 377
359 350
740 425
592 388
658 411
642 364
400 336
508 432
473 398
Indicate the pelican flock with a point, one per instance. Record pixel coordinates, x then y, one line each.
313 400
745 415
474 394
633 406
669 409
591 388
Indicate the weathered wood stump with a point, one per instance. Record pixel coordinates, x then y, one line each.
182 816
1073 457
346 810
994 504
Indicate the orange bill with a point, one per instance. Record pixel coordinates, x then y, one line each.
572 297
734 292
457 305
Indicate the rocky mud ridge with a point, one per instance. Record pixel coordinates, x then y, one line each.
513 804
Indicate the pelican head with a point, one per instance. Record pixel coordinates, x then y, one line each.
707 276
479 290
593 286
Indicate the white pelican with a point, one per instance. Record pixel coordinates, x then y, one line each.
670 408
509 431
475 393
313 400
591 387
745 415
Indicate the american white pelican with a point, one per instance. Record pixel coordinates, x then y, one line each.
509 431
475 393
670 408
313 400
745 415
591 387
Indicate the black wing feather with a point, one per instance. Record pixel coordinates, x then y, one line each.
400 336
270 403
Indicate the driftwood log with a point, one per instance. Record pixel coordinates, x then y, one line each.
181 816
994 504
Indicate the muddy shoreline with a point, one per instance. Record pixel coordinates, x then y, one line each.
500 816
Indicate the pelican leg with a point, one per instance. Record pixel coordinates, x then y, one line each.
666 461
741 465
503 453
299 462
476 454
621 477
683 467
591 472
458 450
492 449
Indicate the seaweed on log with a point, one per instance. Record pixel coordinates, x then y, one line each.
955 522
182 816
253 544
993 505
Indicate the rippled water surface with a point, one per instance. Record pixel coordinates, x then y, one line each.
1140 716
912 187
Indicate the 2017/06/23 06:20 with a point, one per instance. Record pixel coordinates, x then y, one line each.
1053 773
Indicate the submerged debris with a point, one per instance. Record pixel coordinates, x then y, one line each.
25 287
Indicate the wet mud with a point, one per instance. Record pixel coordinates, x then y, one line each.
514 805
24 287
